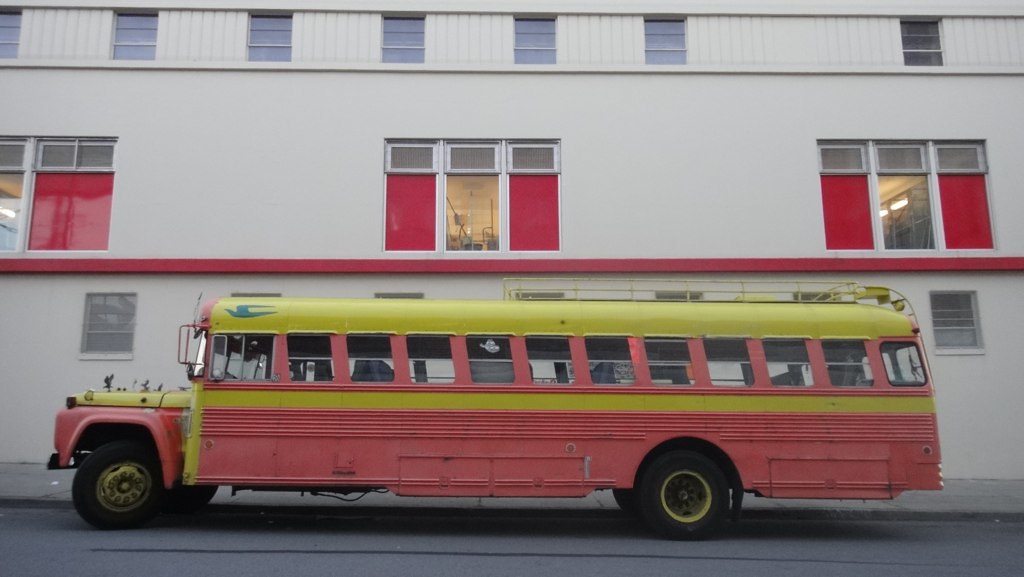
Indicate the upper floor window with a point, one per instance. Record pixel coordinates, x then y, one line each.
955 320
472 196
66 185
665 41
535 41
109 326
135 37
403 40
12 192
922 45
270 38
905 195
10 30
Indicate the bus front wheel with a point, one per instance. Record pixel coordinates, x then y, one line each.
684 495
118 486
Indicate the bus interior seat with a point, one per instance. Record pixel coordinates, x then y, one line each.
372 371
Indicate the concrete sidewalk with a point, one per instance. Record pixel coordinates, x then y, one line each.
32 485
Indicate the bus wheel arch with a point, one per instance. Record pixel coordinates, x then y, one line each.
710 467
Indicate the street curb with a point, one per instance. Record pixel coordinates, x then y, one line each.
755 514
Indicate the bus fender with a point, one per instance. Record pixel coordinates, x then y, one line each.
83 429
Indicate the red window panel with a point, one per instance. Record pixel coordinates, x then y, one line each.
71 211
411 216
965 216
533 212
847 207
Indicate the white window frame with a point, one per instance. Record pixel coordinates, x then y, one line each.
386 48
32 164
442 169
648 52
291 37
494 145
389 168
555 146
941 349
147 44
516 49
17 40
907 51
931 168
85 353
24 203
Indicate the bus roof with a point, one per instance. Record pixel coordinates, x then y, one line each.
753 319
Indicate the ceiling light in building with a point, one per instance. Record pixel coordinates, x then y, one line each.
899 204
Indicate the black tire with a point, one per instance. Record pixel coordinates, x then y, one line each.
118 486
683 495
187 499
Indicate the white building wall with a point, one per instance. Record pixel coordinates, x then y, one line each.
467 39
220 159
66 34
353 37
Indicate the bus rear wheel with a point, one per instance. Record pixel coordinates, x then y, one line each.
118 486
684 495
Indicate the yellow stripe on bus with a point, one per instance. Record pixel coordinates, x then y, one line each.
486 401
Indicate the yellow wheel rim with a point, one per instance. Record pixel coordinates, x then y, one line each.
686 496
123 486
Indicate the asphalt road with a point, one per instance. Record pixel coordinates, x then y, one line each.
283 542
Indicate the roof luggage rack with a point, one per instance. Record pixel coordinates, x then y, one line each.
675 290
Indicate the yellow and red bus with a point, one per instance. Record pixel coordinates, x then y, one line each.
680 403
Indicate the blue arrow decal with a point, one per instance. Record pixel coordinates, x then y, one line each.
250 312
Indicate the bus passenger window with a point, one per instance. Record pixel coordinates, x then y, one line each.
490 359
242 357
847 363
609 361
669 361
430 358
788 364
369 359
309 358
729 362
903 364
550 359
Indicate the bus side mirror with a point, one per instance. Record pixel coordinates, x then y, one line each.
220 357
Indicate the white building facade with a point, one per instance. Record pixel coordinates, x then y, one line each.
155 151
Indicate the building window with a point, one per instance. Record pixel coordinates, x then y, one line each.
270 38
12 179
109 323
905 195
665 41
135 37
535 41
10 30
922 45
72 193
955 320
403 40
469 196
